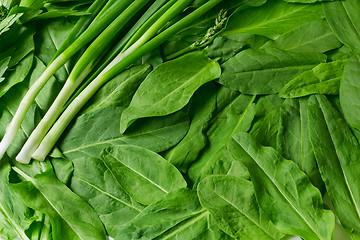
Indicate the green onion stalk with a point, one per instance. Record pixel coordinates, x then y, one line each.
146 20
96 10
82 68
95 28
170 9
125 59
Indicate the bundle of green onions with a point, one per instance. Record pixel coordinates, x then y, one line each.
98 63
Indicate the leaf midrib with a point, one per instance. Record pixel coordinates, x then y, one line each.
353 26
140 174
208 66
13 223
28 178
243 115
309 42
274 20
282 68
107 194
119 139
286 198
342 169
202 213
248 217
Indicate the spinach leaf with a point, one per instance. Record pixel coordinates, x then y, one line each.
201 110
308 1
95 182
295 123
178 215
6 23
48 41
263 107
94 131
272 19
349 91
15 216
17 75
20 49
322 79
63 168
235 117
230 45
300 202
266 71
342 53
344 19
141 172
232 203
267 129
227 163
337 154
286 129
3 66
169 87
70 216
314 36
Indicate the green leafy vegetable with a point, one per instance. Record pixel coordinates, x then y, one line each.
224 197
7 22
322 79
22 70
300 202
266 71
281 129
236 116
343 19
3 66
228 46
94 181
272 19
70 216
337 154
142 179
190 146
349 96
314 36
179 119
178 215
97 130
15 216
180 78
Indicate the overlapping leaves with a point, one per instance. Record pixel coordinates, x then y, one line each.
208 152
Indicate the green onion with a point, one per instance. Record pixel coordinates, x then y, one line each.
82 68
120 63
88 35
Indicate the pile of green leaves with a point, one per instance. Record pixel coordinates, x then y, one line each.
245 125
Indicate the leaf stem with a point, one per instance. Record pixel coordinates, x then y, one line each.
22 174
